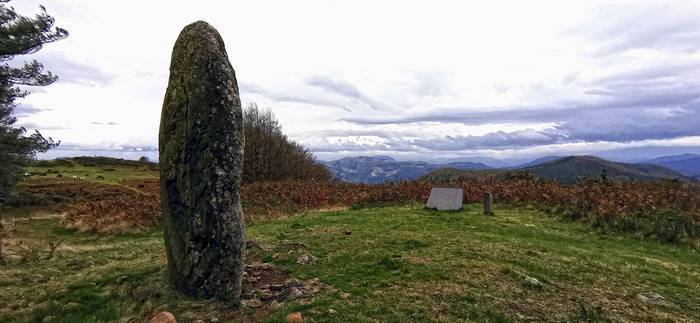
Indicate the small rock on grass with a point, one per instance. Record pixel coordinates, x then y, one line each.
344 295
292 282
654 299
532 282
275 305
295 317
163 317
306 259
293 293
332 311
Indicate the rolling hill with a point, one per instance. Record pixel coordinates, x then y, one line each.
538 161
567 169
686 164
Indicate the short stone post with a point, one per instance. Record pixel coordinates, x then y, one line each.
488 203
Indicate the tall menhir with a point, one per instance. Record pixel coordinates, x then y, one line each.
201 157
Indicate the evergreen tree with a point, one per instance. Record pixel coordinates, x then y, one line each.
20 35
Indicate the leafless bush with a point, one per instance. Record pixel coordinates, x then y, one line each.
271 156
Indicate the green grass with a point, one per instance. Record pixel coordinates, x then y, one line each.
398 265
110 174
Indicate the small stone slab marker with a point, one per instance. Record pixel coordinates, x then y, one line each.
488 203
445 199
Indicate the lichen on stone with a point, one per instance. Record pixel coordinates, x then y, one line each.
201 133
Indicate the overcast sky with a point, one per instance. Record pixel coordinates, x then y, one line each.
409 79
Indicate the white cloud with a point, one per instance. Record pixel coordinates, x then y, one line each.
320 63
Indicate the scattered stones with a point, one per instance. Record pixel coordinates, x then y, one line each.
306 259
266 295
289 244
344 295
655 299
259 266
188 316
276 286
252 303
314 285
295 317
293 293
163 317
292 282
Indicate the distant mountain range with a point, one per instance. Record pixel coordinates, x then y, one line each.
380 169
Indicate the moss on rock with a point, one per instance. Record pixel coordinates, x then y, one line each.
201 157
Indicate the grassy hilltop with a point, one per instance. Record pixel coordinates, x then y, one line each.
519 265
90 249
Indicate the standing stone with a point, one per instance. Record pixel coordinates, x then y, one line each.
488 203
201 156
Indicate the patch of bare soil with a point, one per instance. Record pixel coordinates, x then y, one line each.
266 289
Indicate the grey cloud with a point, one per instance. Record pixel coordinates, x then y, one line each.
33 125
24 109
344 89
495 140
652 102
599 123
70 70
107 147
362 132
621 27
625 125
104 123
249 88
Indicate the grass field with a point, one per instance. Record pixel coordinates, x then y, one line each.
395 264
108 174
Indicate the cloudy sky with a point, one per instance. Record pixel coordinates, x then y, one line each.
409 79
